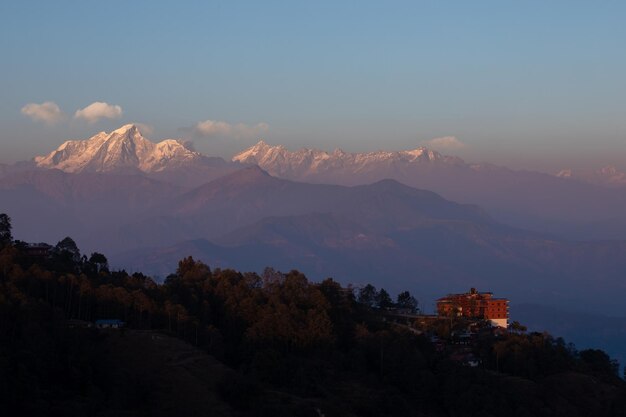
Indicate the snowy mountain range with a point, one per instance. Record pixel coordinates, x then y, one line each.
123 149
317 165
356 168
608 176
126 150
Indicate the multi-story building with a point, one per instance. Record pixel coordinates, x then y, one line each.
476 305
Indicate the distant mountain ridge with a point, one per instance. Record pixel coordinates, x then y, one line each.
251 194
45 204
532 200
385 232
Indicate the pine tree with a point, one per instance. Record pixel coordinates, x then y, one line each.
5 230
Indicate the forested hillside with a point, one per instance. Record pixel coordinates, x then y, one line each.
287 346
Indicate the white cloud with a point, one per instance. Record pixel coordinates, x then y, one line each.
212 128
445 143
47 112
98 110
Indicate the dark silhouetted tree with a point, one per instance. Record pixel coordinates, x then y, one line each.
383 300
406 300
516 326
599 362
271 275
367 295
99 262
67 248
191 271
5 230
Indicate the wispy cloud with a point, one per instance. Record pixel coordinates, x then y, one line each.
446 143
47 112
213 128
98 110
146 130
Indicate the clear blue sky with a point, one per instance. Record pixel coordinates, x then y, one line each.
534 84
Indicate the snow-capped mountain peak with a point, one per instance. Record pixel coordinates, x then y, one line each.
250 155
124 149
129 128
